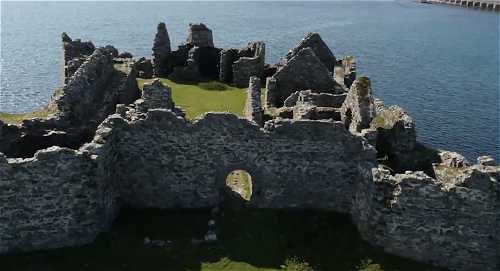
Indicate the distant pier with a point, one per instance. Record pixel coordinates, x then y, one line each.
475 4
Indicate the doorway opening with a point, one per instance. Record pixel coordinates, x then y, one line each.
240 182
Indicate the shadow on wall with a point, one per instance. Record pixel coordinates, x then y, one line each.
248 240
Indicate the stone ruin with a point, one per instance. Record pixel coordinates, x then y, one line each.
320 144
253 106
199 60
236 66
308 66
74 54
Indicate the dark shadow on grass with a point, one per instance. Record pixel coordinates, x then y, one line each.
261 238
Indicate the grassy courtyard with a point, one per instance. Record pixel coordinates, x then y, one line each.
195 99
249 240
199 98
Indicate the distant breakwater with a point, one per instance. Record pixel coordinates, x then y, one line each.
475 4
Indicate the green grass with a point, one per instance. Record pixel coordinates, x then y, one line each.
16 118
213 85
250 240
196 100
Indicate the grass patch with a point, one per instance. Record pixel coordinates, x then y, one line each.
249 240
17 118
380 122
213 85
197 100
43 113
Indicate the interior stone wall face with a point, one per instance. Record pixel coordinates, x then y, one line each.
169 163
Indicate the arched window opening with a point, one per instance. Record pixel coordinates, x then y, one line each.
240 182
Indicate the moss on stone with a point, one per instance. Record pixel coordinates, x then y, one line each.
380 122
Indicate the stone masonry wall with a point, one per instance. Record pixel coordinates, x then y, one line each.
93 77
63 197
253 104
55 199
251 65
418 217
294 164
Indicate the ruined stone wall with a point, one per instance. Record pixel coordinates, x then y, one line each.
250 63
418 217
85 89
161 51
253 106
200 35
55 199
318 46
169 163
156 158
74 53
302 71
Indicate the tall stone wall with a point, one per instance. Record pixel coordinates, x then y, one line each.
318 46
200 35
302 71
55 199
454 225
74 53
358 109
161 52
227 57
155 158
294 164
253 106
250 63
85 90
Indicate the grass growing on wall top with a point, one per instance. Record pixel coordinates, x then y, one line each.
198 99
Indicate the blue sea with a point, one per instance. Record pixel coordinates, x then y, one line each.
440 63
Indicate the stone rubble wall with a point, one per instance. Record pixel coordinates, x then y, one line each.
358 109
200 60
54 199
200 35
74 54
161 51
253 105
319 47
155 158
148 155
77 108
415 216
156 95
85 87
316 99
303 71
349 70
250 63
294 164
227 58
